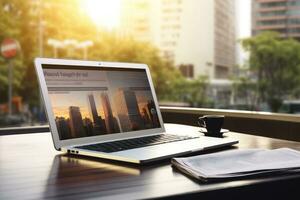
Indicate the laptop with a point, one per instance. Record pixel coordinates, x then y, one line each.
110 110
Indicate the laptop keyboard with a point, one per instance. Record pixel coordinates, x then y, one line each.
121 145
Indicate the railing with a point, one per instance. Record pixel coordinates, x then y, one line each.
23 130
282 126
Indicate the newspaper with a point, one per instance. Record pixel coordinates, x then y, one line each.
239 163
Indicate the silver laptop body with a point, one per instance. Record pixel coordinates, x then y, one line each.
90 102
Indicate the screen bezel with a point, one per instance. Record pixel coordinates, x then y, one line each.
58 144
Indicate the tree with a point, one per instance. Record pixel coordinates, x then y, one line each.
276 63
23 19
192 91
10 14
196 91
245 92
65 24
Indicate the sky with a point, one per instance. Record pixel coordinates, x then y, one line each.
103 12
62 101
243 25
243 13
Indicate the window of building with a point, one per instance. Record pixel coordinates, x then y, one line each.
293 3
294 30
187 70
294 12
272 13
221 72
294 21
273 4
272 22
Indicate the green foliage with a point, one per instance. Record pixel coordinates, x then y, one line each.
245 89
13 16
196 91
275 62
112 48
22 20
192 91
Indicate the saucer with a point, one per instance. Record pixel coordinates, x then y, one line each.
222 131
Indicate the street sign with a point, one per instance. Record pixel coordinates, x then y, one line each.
9 48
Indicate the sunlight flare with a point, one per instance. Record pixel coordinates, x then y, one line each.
105 13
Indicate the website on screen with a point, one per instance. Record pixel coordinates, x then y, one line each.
91 102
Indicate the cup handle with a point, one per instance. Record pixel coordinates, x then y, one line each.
201 122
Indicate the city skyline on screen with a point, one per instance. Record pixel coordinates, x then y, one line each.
122 102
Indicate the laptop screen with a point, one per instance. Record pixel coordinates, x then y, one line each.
93 101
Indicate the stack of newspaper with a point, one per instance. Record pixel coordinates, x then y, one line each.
239 163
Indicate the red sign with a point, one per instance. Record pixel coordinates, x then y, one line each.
9 48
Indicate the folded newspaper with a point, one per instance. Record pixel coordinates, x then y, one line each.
239 163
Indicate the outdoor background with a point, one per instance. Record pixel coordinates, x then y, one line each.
224 54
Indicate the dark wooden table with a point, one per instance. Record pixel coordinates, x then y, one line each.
30 168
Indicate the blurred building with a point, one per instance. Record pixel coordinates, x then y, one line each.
93 109
128 110
137 19
153 113
110 121
98 125
197 35
88 126
225 38
282 16
63 128
76 123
